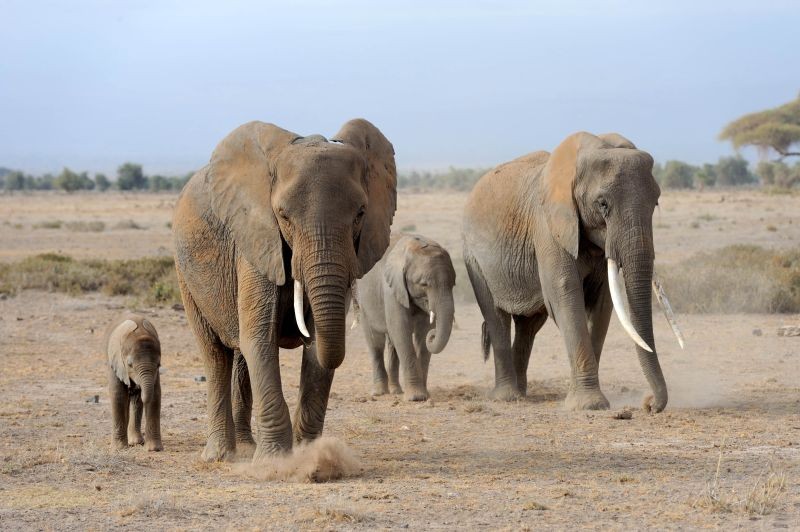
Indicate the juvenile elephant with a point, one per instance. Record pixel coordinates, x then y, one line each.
269 238
546 235
407 298
134 356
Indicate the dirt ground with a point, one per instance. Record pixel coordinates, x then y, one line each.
729 439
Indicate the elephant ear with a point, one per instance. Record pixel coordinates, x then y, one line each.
558 199
394 273
151 329
615 140
240 177
116 357
381 187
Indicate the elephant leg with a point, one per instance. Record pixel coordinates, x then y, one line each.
135 419
498 327
525 329
375 344
421 348
118 394
258 341
599 315
401 333
564 297
152 419
312 404
242 402
393 363
218 361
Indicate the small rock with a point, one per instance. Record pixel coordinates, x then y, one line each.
404 427
98 487
95 399
757 332
20 318
200 378
625 413
3 297
178 307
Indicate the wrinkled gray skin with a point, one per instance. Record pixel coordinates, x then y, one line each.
134 356
270 209
413 278
537 232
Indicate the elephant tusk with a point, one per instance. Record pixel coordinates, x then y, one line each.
298 309
661 296
619 305
432 317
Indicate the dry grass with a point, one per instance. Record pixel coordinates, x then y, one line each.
95 226
736 279
49 224
151 279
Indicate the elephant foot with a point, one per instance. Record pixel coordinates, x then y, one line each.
395 389
592 399
216 452
652 405
119 445
245 449
264 453
155 446
506 392
416 394
135 439
380 388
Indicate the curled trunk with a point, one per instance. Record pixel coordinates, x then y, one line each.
441 304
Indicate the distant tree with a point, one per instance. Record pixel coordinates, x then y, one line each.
706 176
101 182
778 174
70 181
45 182
131 177
776 129
14 181
677 174
733 171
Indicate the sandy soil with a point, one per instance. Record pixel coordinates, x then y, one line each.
458 461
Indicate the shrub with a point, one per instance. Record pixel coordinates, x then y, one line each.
86 227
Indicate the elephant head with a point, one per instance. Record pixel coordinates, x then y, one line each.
306 208
134 352
600 189
420 272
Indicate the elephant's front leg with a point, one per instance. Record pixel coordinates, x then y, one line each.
565 300
401 333
135 419
152 419
421 348
242 399
118 393
315 387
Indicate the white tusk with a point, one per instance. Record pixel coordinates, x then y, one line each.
432 316
619 306
661 296
298 309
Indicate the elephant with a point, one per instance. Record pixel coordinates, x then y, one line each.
407 298
134 358
273 206
546 235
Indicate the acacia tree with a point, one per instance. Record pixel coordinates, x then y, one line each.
777 129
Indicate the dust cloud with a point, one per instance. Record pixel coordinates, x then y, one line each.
322 460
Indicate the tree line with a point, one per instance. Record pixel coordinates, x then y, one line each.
129 177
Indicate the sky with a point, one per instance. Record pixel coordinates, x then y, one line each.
91 84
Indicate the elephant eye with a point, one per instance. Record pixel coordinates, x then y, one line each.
360 215
602 204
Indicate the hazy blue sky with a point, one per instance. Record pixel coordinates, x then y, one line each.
90 84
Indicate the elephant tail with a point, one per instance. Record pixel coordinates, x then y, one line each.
485 343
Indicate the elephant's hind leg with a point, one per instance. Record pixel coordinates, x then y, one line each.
315 387
393 363
242 404
498 326
135 419
218 359
375 344
525 329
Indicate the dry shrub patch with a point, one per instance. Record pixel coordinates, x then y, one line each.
736 279
152 279
86 227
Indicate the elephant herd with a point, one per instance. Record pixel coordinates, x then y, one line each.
280 233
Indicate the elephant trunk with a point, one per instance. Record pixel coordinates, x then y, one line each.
637 265
443 309
145 378
327 279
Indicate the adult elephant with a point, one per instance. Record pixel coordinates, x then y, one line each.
545 235
269 238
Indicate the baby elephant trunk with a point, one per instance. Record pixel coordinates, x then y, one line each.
442 312
146 377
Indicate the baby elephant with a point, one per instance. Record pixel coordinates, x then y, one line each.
408 298
134 356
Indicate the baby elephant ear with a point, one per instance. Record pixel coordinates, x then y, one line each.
150 328
240 178
615 140
115 352
381 184
558 200
394 273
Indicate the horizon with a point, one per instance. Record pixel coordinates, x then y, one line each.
91 86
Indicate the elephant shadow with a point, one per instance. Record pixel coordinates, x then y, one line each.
538 392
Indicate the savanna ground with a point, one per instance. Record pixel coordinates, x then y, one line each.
725 453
